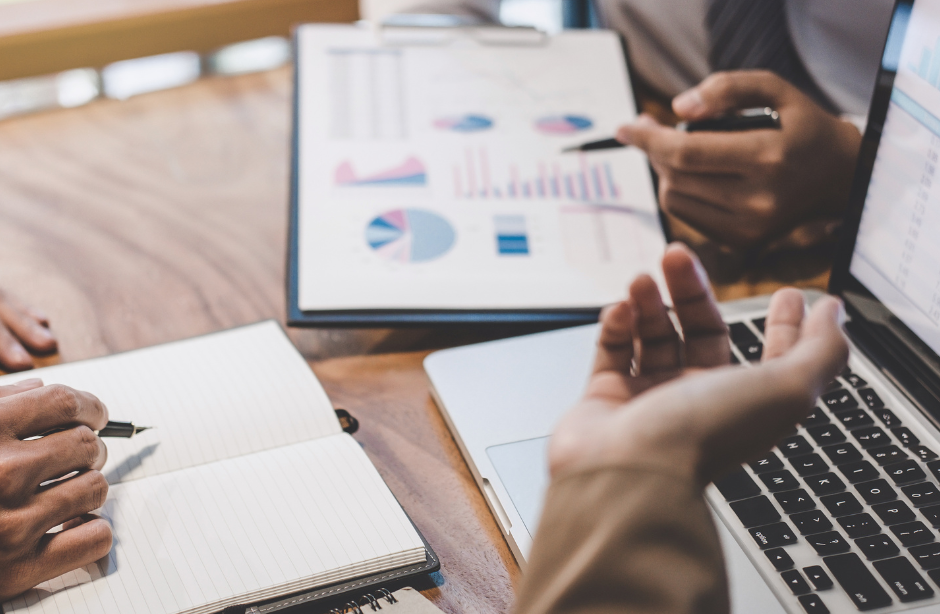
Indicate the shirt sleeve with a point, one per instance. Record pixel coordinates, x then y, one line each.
486 10
622 540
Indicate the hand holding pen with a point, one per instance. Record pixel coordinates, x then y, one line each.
748 188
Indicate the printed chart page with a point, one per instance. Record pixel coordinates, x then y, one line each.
431 176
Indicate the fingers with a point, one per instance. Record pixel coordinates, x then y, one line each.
45 409
29 326
59 454
69 499
822 351
615 345
81 545
659 346
723 92
24 386
698 152
703 329
13 356
713 221
784 320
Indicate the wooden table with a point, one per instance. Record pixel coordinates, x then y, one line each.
160 218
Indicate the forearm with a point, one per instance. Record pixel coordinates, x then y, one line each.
624 540
487 10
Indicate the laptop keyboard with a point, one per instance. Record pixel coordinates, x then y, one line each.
856 485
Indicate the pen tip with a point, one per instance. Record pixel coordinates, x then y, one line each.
141 429
571 149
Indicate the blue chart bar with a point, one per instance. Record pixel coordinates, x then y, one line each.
929 67
512 238
915 110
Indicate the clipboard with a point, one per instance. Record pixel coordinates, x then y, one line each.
349 316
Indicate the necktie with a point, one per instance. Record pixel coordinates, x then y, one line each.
754 34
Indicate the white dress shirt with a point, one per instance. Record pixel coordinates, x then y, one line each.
839 41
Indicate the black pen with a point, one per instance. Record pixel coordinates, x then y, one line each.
123 430
763 118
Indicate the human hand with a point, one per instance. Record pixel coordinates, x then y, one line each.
22 328
29 554
671 404
745 188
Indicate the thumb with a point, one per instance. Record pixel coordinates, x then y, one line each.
724 92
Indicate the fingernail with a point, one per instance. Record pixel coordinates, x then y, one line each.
624 136
29 383
18 354
840 315
646 121
689 103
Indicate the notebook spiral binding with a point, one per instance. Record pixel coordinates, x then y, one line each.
355 607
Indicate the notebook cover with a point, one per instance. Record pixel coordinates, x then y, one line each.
335 595
536 319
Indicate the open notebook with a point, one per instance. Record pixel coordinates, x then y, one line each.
247 488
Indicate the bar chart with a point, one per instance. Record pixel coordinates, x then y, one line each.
570 178
928 66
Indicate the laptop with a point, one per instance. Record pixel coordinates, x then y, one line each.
843 515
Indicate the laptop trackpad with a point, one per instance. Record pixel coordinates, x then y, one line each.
522 467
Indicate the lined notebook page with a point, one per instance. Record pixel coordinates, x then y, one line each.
210 398
238 531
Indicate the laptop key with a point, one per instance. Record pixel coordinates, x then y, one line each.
824 484
860 471
842 504
904 579
887 455
876 491
871 437
855 579
778 481
922 494
771 462
795 446
829 543
839 400
741 334
912 534
818 576
923 453
877 547
871 398
934 468
816 418
737 485
813 521
927 556
779 558
759 324
794 501
905 472
854 380
905 436
887 417
752 352
812 604
826 434
773 535
755 512
859 525
854 418
895 512
842 453
811 464
794 579
932 514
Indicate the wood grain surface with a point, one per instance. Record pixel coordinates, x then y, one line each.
41 37
164 217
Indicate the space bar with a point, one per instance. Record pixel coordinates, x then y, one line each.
852 574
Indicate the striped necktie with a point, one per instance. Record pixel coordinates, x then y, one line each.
755 34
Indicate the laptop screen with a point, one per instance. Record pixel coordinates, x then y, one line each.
888 270
897 251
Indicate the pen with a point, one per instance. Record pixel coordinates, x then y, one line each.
124 430
763 118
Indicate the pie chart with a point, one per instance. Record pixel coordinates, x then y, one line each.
465 123
410 235
563 124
